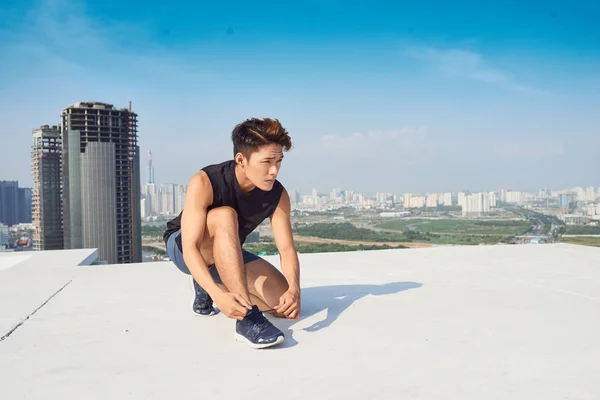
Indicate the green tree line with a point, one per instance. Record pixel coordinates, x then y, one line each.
318 247
347 231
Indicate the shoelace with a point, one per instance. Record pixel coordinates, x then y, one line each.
258 319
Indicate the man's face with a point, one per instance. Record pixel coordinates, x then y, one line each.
264 165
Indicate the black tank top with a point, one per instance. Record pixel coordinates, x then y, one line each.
252 209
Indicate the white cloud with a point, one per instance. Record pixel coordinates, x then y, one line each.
469 65
358 140
541 150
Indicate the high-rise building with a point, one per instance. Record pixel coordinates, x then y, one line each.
3 237
8 202
15 203
180 192
492 198
407 197
47 188
150 168
349 195
461 199
101 181
171 198
513 197
448 199
334 194
149 191
476 204
432 200
412 201
294 196
24 205
590 194
11 203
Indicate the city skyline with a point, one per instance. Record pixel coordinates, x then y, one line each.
86 184
326 191
397 98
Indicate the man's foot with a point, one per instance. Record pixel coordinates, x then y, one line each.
203 303
256 331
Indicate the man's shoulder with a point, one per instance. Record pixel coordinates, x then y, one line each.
217 167
201 185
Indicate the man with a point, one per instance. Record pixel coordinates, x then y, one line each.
224 203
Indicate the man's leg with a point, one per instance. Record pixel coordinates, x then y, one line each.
266 283
225 249
203 304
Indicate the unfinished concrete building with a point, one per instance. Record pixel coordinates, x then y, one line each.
101 181
47 188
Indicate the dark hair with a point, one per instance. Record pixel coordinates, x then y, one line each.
249 135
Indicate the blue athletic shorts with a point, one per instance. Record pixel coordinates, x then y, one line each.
177 257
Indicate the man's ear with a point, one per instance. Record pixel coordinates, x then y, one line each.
239 159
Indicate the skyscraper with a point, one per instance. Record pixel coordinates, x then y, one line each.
101 181
24 205
47 188
3 237
15 203
150 168
9 202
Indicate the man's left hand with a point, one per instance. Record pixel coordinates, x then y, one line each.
289 304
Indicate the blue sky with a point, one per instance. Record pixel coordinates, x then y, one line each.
378 96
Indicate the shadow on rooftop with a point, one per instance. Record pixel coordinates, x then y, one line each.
335 299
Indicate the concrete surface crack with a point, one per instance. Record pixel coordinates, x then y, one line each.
14 328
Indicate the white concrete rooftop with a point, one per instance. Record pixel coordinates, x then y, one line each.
482 322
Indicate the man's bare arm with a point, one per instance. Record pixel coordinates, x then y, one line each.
284 240
193 226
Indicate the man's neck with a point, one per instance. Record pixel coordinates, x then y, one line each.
245 185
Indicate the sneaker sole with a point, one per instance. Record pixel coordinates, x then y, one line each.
204 315
242 339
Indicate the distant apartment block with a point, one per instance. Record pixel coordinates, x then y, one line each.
335 193
101 177
3 237
590 194
492 199
432 200
477 204
461 199
15 203
166 199
592 209
9 200
47 188
448 199
514 197
294 197
411 201
509 196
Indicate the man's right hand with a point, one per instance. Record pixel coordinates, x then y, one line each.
233 305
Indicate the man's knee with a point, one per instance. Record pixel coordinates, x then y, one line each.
276 314
222 218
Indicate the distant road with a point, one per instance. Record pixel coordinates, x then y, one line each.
314 239
580 235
